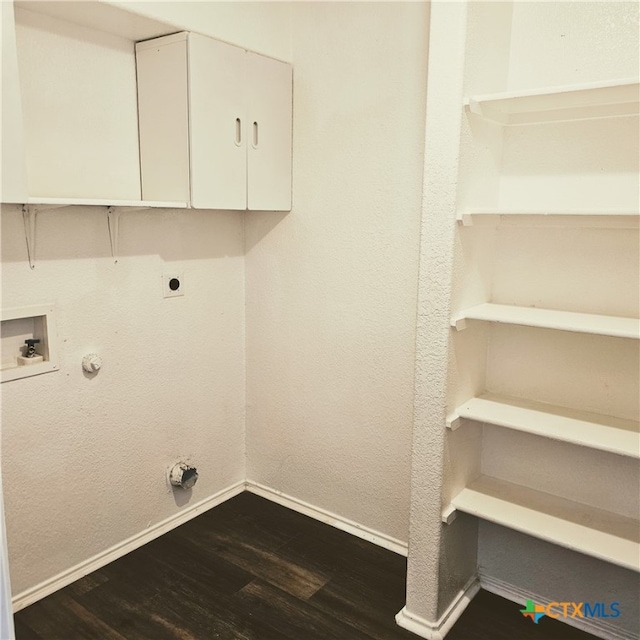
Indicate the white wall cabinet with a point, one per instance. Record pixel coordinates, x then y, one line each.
215 124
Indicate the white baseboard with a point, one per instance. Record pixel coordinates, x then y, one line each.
65 578
371 535
438 630
47 587
595 626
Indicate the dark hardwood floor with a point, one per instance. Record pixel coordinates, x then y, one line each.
252 570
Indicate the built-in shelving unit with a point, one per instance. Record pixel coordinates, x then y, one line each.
550 319
507 500
595 532
556 104
583 428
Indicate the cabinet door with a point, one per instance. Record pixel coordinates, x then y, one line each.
161 66
217 98
269 137
13 186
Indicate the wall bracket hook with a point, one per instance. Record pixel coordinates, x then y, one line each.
29 217
113 221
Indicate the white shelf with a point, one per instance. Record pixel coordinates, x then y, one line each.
102 16
614 218
88 202
556 104
594 532
605 433
551 319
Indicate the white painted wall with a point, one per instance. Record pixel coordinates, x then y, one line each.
331 287
330 290
261 26
84 460
454 272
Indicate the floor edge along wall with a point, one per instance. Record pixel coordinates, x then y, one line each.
68 576
24 599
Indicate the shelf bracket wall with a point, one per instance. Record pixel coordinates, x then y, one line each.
465 219
29 217
113 222
454 421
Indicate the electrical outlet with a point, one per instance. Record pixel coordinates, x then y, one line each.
173 284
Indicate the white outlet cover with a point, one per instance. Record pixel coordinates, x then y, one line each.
173 284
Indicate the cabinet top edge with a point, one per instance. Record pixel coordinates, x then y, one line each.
181 36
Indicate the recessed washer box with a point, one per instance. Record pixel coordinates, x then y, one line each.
24 323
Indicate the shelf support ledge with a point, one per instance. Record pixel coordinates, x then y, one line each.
449 514
113 222
454 421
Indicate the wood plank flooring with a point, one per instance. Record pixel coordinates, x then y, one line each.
253 570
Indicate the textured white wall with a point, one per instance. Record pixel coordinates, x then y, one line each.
84 460
579 164
559 43
261 26
433 348
331 287
455 271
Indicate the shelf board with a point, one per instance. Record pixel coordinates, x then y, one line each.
556 104
594 532
551 319
614 218
596 431
89 202
102 16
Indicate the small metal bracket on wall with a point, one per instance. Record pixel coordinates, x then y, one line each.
29 218
113 221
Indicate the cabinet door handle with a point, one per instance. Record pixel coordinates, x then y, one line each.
238 132
255 135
